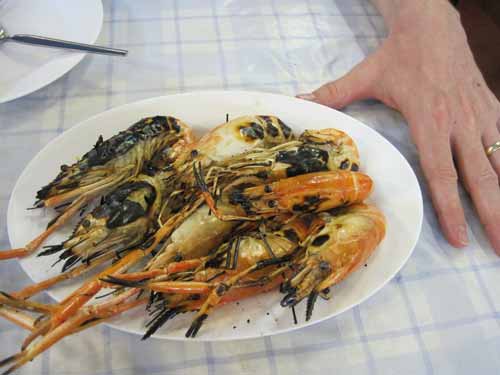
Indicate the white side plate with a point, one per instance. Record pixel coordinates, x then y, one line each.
28 68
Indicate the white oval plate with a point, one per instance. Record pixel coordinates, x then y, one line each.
28 68
396 193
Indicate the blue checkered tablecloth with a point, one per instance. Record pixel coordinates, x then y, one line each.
441 314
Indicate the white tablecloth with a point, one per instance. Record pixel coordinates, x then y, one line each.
441 314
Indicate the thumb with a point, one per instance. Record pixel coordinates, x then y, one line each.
355 85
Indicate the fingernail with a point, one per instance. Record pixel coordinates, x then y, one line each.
310 97
462 235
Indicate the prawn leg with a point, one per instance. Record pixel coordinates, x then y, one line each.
128 279
71 325
17 317
105 315
65 311
222 288
235 294
60 221
34 289
9 300
35 243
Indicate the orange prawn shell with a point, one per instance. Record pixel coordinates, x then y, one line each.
355 237
312 192
236 136
346 147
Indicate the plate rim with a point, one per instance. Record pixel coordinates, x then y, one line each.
71 61
252 93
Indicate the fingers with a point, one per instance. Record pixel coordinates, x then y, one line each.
355 85
481 181
442 179
490 136
437 163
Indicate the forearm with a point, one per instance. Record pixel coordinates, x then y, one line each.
399 12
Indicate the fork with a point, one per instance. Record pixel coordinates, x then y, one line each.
57 43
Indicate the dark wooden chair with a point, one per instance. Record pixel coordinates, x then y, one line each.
481 20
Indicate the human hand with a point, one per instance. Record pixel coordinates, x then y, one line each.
426 70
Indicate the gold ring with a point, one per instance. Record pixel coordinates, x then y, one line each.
494 147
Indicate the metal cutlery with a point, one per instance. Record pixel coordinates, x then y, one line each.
57 43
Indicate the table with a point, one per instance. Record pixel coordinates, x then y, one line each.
441 314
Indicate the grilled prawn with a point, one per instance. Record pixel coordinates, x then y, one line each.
113 160
348 237
108 164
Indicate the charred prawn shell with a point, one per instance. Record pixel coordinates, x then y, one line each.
119 208
127 151
121 221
